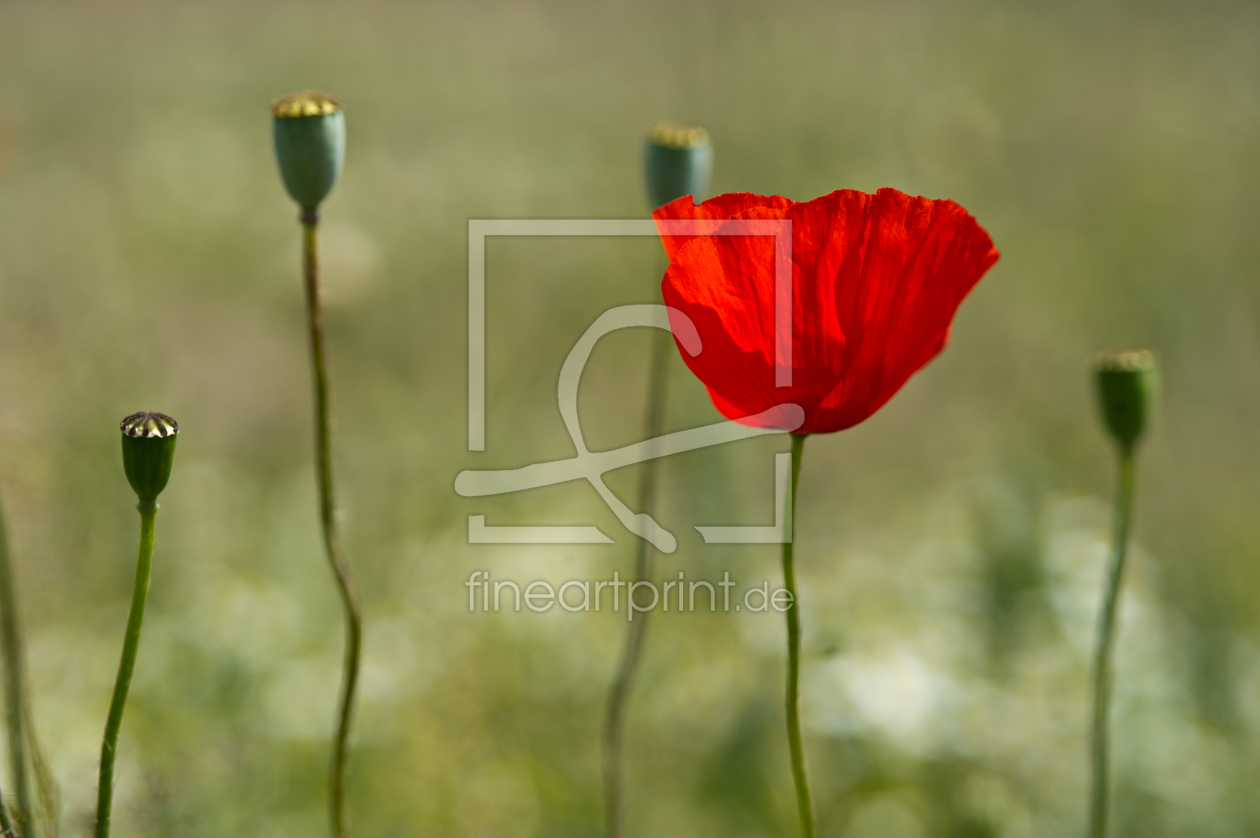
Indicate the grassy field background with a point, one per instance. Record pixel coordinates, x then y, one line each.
951 549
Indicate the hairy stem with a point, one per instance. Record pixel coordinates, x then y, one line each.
328 522
1104 675
127 664
804 805
619 693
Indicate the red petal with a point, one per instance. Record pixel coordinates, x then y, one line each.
731 205
876 282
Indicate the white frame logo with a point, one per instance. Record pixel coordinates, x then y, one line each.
592 465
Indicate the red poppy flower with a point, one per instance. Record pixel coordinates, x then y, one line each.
876 280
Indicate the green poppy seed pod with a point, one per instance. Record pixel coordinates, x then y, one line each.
677 161
148 443
309 131
1128 383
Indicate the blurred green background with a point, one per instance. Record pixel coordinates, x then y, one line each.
950 550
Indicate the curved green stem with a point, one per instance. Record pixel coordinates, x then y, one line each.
328 522
14 690
619 693
1103 671
804 805
131 643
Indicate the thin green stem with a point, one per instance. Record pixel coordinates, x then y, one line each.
804 805
1103 670
619 693
328 522
131 643
14 687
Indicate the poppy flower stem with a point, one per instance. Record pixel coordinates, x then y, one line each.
804 804
126 665
1104 674
619 694
328 522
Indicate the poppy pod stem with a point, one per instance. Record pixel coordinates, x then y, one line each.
1127 384
1104 674
328 523
309 134
676 161
804 804
619 694
148 444
126 666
